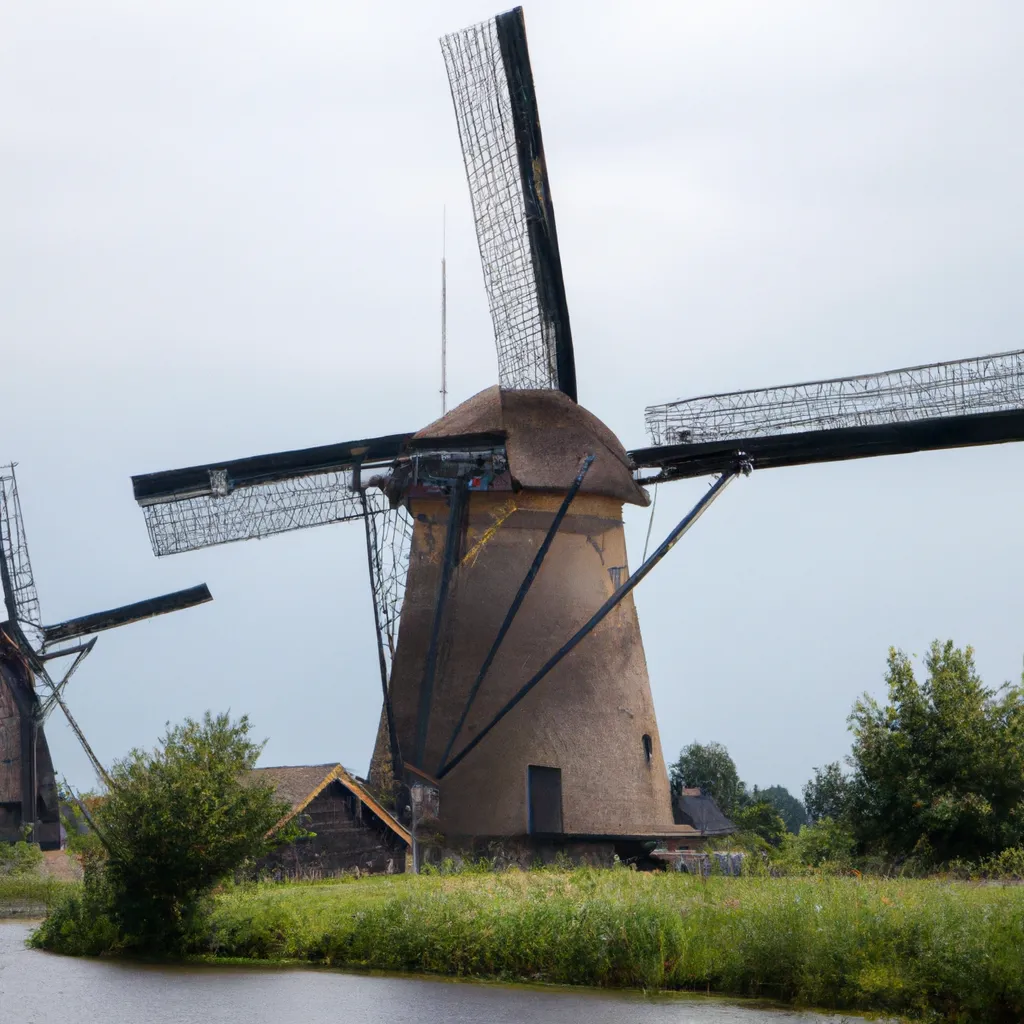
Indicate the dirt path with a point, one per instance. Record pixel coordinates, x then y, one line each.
57 864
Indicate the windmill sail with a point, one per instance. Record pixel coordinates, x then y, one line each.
21 600
496 110
217 503
27 784
97 622
954 404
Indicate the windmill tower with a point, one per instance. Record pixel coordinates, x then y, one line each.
28 694
511 663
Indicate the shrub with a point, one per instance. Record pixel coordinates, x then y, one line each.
763 820
825 842
83 923
175 822
19 858
1008 864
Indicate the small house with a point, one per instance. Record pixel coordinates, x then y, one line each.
349 830
702 819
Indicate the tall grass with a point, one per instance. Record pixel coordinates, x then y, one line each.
21 893
949 950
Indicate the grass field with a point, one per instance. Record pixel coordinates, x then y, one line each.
22 893
950 951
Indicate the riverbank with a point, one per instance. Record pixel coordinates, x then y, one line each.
110 990
32 895
915 947
943 950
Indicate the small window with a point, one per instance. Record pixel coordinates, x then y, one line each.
648 748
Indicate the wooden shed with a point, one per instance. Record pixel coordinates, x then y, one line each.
349 830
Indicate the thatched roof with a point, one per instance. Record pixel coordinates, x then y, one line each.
299 785
546 436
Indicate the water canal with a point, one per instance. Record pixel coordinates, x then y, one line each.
40 988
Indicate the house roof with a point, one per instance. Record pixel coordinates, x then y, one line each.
692 807
299 785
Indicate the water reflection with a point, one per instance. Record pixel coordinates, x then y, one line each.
38 988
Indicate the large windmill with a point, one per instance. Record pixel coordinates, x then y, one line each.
511 661
28 789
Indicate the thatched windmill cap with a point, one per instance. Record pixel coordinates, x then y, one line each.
546 436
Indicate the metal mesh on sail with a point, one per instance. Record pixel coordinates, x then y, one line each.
251 512
987 384
15 551
524 336
391 540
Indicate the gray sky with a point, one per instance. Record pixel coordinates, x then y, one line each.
221 236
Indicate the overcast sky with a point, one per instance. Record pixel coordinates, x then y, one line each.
221 236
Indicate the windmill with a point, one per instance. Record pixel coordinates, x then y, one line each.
511 663
28 790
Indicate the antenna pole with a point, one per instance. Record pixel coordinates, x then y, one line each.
444 314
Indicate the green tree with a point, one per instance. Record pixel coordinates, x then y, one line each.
939 769
827 794
789 807
761 818
176 821
709 766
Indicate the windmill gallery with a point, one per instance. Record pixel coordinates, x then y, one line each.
516 706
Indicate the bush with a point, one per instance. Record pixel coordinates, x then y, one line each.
1009 864
825 842
82 841
175 822
82 924
19 858
763 820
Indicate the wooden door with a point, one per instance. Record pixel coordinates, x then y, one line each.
545 794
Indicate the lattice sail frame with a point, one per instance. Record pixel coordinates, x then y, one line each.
15 550
391 541
520 281
222 516
986 384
